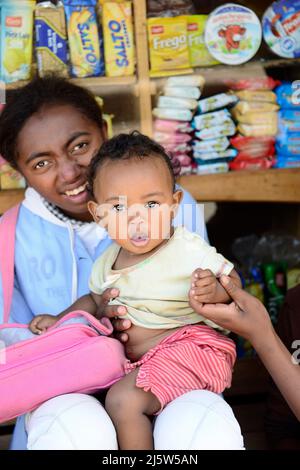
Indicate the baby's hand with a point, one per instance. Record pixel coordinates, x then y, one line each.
204 286
41 323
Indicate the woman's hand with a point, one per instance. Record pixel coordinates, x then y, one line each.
245 316
113 312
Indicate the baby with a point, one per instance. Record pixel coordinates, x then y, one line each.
173 350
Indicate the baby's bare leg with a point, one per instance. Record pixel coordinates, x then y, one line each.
129 408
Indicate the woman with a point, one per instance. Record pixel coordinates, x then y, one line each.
49 131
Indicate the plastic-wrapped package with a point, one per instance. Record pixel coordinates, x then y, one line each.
183 92
256 95
210 119
186 80
230 153
257 130
253 164
255 83
256 118
216 101
218 145
243 107
174 102
226 129
240 141
164 125
168 138
288 95
220 167
177 114
169 8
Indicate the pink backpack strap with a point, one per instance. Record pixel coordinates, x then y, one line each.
7 256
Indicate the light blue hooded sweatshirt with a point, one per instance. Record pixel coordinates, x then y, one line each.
53 265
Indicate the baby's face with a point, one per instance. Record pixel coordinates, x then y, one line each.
135 202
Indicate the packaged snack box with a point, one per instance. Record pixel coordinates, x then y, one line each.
199 55
83 34
168 43
51 38
118 39
233 34
16 40
281 28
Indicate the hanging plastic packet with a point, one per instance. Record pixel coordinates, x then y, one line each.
199 55
118 39
217 101
51 38
172 102
226 129
16 40
168 43
183 92
281 28
83 35
210 119
233 34
218 145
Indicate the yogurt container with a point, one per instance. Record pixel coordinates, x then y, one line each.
281 28
233 34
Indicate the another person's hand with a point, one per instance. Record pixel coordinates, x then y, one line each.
245 316
204 286
113 312
41 323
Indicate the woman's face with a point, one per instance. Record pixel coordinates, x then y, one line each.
54 149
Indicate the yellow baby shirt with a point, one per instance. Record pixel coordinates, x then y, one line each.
155 291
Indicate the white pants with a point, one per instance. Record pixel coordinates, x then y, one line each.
195 421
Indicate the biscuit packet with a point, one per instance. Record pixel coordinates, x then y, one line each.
256 95
119 50
243 107
84 42
16 39
168 45
51 38
198 52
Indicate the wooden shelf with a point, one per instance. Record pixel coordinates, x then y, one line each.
90 82
245 186
241 186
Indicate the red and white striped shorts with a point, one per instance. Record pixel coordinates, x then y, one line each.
194 357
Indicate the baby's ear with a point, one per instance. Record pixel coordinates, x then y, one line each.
177 198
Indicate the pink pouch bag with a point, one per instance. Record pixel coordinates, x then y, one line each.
67 358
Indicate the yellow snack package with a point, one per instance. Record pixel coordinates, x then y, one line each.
257 130
16 39
84 38
255 117
168 43
199 55
119 49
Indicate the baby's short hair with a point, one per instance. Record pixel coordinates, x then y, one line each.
126 147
